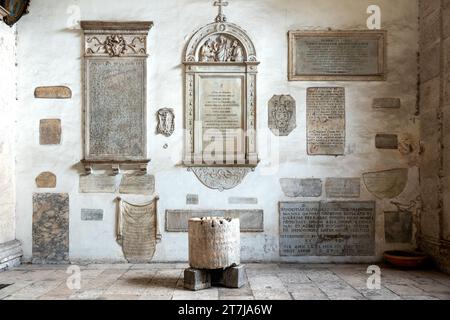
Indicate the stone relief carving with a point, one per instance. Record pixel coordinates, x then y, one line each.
220 178
116 45
166 122
387 184
221 48
282 117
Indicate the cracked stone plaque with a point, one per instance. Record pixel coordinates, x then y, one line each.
386 184
98 183
294 188
327 228
282 115
137 184
343 187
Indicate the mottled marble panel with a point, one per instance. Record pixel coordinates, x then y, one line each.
50 132
50 228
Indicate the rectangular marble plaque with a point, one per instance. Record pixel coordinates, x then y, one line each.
387 103
306 188
192 199
325 108
242 200
343 187
221 108
91 215
50 228
386 141
337 55
327 228
250 220
116 109
137 184
98 184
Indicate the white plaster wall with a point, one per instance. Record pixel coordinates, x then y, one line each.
7 118
50 53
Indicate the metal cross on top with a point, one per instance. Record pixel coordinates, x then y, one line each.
221 17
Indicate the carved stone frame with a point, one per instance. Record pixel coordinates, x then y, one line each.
131 45
194 68
380 35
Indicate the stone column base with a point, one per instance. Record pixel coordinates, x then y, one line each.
200 279
10 254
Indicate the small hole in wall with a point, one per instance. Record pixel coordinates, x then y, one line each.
166 146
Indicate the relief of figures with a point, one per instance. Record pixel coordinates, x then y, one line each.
221 49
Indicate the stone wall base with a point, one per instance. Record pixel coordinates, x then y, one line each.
10 254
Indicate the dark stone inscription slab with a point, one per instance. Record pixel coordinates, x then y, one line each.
327 228
301 187
91 214
387 103
386 141
325 109
334 55
192 199
116 115
250 220
50 228
98 184
50 132
137 184
398 227
343 187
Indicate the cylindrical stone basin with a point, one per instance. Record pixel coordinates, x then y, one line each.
214 243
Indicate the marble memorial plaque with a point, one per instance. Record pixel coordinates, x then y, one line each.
386 184
98 184
137 184
343 187
387 103
386 141
50 132
301 187
46 180
242 200
325 109
192 199
55 92
250 220
282 115
115 90
91 215
398 227
50 228
327 228
337 55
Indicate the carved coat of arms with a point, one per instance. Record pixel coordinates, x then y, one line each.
282 117
166 122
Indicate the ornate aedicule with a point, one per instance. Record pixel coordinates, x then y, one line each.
220 96
115 90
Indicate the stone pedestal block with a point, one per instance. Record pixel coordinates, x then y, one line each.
234 277
195 279
214 243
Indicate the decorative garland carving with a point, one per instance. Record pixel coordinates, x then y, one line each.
220 178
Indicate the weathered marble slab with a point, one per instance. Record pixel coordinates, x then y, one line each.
343 187
282 115
387 103
337 55
50 228
327 228
294 188
192 199
386 141
386 184
398 227
250 220
54 92
91 215
137 184
98 184
50 132
46 180
325 113
242 200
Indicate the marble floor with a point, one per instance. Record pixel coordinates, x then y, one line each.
265 282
